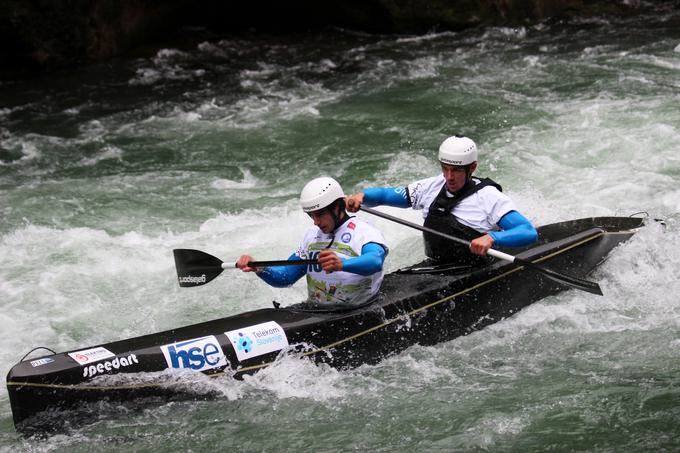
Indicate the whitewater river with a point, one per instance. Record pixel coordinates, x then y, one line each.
106 169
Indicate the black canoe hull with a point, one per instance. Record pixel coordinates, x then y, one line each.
421 309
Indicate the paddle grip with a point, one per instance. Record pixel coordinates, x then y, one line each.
498 254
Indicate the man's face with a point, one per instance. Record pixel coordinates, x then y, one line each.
323 218
456 176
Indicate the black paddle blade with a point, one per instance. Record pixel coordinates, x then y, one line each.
574 282
196 268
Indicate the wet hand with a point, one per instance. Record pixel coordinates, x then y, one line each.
329 261
354 202
243 261
481 245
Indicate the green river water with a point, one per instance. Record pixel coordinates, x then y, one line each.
105 169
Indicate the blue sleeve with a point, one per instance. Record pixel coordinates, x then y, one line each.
517 231
282 276
386 196
371 260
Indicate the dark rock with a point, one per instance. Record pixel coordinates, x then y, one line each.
42 35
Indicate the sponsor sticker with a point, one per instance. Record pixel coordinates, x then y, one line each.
38 362
193 279
91 355
346 237
108 365
253 341
198 354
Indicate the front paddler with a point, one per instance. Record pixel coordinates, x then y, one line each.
458 204
350 251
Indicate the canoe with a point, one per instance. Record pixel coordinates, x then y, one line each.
420 304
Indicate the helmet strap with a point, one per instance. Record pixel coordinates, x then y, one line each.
338 220
468 172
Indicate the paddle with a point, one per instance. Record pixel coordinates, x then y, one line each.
195 268
574 282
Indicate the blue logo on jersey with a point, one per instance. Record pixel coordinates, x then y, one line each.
346 237
244 343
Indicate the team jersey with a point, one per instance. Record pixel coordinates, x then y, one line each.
481 211
348 240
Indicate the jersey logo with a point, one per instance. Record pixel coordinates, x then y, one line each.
346 237
351 225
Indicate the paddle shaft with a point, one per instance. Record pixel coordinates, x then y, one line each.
574 282
492 252
273 263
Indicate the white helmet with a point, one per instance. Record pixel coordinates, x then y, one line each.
320 193
458 150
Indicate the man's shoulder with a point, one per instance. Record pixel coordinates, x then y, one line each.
358 223
488 186
431 181
363 227
422 187
494 200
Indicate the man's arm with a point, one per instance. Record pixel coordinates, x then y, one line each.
282 276
369 262
383 196
516 231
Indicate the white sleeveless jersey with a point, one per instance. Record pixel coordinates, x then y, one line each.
341 287
482 210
